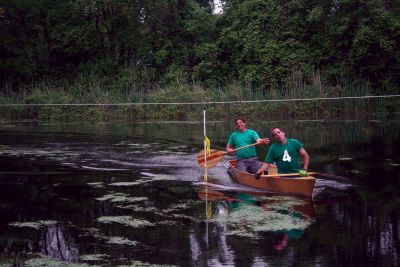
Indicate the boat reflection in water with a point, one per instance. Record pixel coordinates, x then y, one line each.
269 220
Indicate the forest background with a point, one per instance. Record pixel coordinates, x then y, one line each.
110 52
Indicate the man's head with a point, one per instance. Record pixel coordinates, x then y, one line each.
240 124
279 135
282 243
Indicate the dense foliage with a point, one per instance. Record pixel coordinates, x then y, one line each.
262 44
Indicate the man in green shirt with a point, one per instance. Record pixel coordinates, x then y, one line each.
285 153
246 158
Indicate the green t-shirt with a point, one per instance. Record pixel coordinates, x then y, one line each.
285 156
239 139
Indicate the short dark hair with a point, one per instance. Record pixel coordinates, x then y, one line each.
240 118
280 129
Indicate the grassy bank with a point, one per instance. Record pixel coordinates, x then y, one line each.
133 101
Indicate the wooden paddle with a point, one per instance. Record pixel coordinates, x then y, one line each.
215 156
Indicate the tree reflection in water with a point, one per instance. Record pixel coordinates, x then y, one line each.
58 244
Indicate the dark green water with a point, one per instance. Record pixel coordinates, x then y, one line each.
132 195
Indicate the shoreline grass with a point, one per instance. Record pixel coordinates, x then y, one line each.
111 101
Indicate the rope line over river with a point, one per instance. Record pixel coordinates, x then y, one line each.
202 103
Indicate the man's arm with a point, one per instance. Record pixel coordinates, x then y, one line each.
267 161
264 167
306 158
229 148
260 140
265 141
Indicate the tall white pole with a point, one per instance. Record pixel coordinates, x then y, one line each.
205 172
205 145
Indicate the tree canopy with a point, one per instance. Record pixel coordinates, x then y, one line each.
265 43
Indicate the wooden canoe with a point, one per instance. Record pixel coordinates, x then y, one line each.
296 185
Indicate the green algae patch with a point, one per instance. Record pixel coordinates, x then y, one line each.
145 264
93 257
117 240
48 262
35 225
139 208
182 216
93 232
166 222
273 215
182 206
121 197
125 220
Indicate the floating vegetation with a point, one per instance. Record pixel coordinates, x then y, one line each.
181 216
139 208
181 206
145 264
125 220
121 197
93 257
48 262
242 233
96 233
121 241
168 223
35 225
248 220
277 201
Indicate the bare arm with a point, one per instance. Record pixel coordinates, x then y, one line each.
264 167
229 148
263 141
306 158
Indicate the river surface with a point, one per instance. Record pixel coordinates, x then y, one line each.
133 195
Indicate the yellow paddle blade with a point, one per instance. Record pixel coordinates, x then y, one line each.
207 144
214 157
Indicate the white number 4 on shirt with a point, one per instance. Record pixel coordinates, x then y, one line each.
286 156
